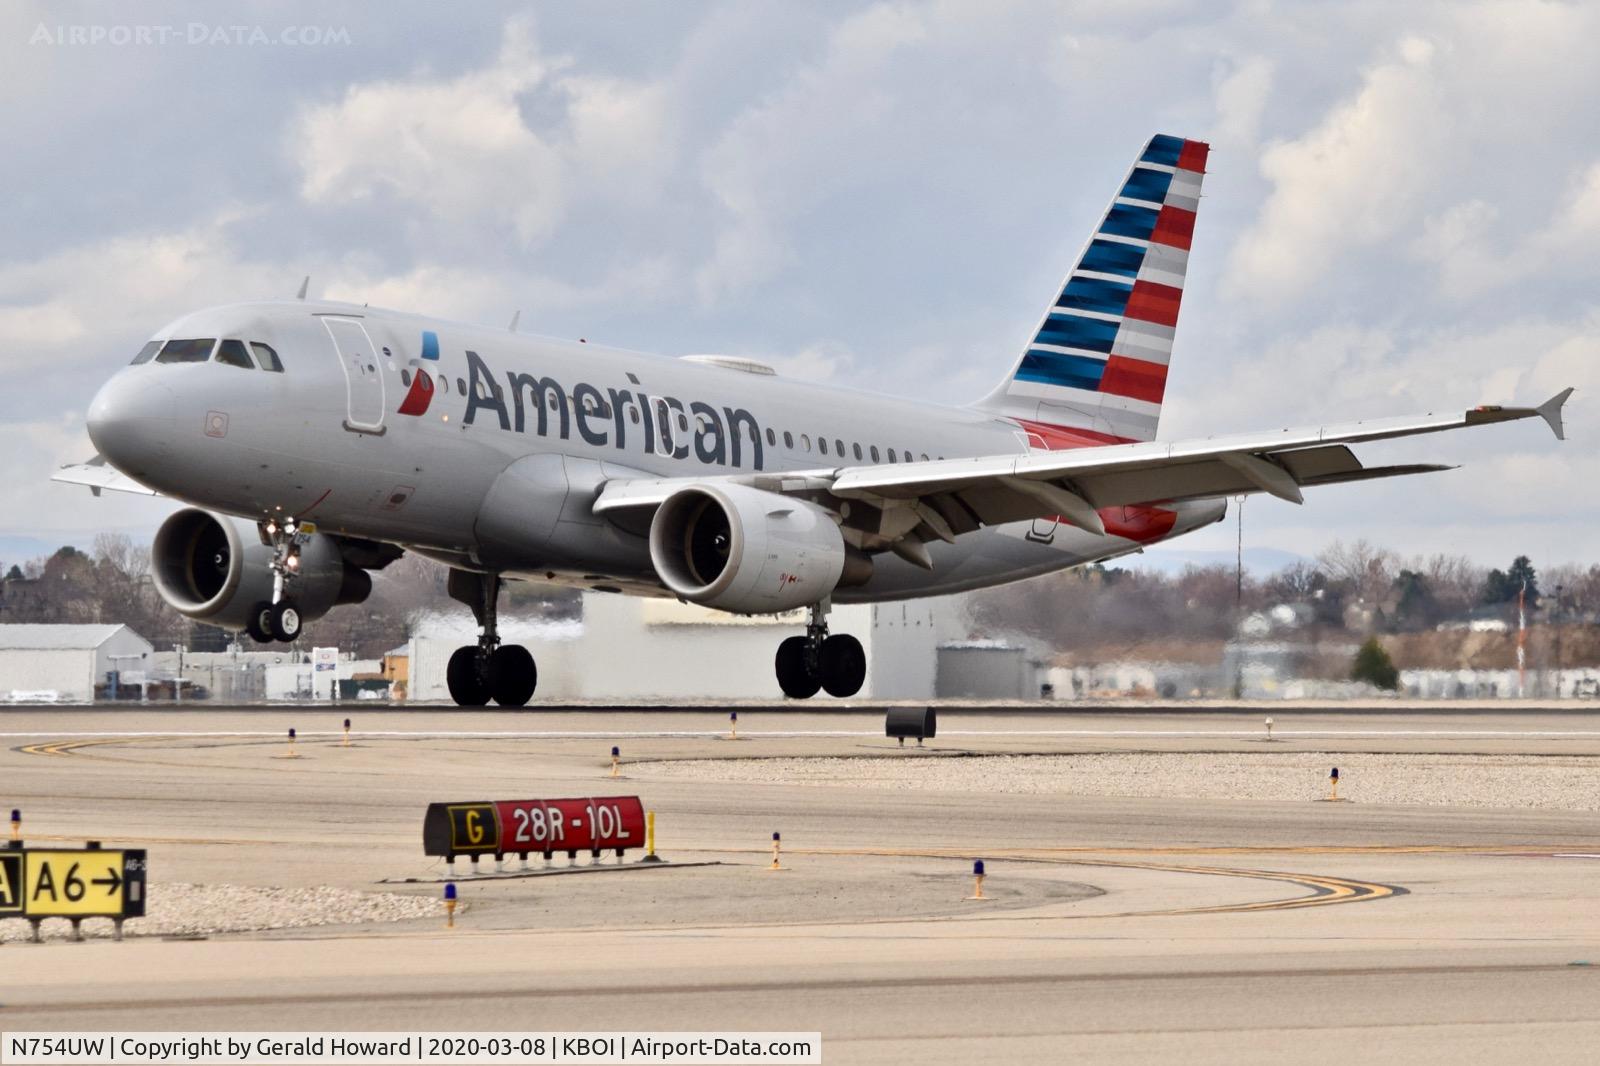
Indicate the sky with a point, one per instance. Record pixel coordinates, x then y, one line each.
1400 215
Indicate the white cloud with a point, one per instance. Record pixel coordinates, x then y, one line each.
456 146
122 286
30 451
1241 98
862 112
1349 182
824 361
512 143
1471 259
479 295
1446 147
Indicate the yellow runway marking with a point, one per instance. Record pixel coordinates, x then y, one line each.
1325 889
66 748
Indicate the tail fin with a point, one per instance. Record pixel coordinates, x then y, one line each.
1096 368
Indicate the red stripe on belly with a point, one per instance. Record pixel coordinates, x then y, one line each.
1141 524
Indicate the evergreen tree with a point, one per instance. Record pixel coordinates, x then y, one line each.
1373 665
1520 574
1502 586
1415 608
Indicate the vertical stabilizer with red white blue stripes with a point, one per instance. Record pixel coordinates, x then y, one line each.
1096 368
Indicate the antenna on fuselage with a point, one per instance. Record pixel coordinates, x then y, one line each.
514 320
304 284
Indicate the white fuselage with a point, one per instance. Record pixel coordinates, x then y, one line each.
496 465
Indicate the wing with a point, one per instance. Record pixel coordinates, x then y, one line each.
99 475
946 498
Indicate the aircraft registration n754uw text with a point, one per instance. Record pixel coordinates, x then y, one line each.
315 442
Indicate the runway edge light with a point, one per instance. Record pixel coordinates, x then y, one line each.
450 906
16 823
616 757
347 732
977 879
777 850
733 725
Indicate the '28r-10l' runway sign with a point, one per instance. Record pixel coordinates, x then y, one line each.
523 827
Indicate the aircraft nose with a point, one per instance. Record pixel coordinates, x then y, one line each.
131 420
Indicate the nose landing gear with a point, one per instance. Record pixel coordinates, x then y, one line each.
279 618
836 664
488 670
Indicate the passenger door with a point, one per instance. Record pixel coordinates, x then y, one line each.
363 376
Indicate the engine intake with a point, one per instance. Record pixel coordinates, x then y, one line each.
215 568
749 551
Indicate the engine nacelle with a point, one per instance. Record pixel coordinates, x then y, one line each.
749 551
214 568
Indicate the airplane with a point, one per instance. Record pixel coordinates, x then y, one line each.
315 441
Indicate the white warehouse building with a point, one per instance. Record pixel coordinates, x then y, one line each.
66 663
641 649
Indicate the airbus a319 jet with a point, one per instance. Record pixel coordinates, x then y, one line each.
317 441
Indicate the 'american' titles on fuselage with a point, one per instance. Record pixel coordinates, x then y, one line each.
599 417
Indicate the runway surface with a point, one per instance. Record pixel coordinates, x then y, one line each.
1121 929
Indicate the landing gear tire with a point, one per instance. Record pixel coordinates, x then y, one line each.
284 619
259 624
467 684
797 682
513 675
843 665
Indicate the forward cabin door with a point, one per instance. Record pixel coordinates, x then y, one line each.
362 376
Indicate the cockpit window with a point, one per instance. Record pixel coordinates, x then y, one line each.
147 353
233 354
266 357
186 351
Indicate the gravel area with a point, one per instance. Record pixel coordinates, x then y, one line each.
1548 782
177 909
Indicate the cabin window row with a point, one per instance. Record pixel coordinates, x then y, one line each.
594 408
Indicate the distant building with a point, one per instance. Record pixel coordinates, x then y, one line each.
628 648
987 670
69 663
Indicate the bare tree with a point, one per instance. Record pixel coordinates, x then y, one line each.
1367 570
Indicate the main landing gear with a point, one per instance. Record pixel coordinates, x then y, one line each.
488 670
837 664
278 618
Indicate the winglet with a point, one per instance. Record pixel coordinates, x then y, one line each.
1550 411
304 284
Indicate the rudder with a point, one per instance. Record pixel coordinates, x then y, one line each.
1095 371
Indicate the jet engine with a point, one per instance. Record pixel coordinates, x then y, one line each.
214 568
749 551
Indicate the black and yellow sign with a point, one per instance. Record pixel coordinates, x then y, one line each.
76 883
473 827
11 882
452 828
